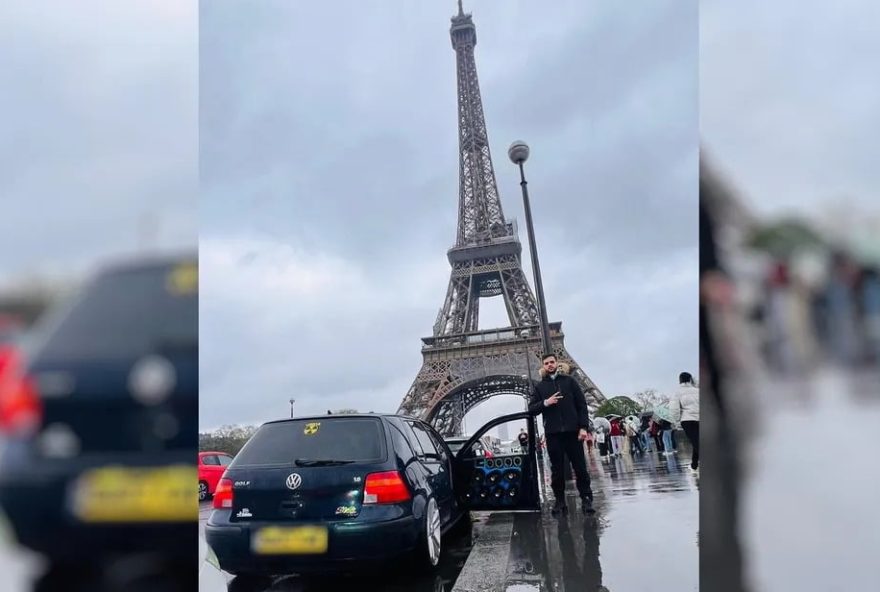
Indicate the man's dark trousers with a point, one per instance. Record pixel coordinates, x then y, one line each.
692 431
560 445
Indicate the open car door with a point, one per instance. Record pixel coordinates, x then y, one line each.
502 480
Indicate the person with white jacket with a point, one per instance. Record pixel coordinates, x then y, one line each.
685 409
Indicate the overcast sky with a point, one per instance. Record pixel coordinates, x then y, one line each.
789 101
100 132
329 171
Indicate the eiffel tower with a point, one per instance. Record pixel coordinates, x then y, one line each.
462 365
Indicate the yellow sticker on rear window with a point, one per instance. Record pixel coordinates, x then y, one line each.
183 280
312 428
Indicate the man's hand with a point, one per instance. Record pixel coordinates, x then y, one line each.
582 434
552 399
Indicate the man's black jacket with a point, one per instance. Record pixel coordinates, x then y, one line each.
569 414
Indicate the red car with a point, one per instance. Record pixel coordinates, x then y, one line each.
211 468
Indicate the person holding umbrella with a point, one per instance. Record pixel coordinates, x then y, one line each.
664 416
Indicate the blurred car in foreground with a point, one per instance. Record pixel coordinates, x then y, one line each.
344 491
211 468
98 417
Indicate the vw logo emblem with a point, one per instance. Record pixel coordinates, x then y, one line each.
294 481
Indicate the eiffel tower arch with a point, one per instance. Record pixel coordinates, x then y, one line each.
463 366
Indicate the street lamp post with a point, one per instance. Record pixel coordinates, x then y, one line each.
292 402
519 153
534 419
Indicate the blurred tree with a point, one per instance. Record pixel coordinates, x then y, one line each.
782 239
622 406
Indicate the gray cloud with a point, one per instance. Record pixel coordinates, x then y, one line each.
100 130
329 191
788 103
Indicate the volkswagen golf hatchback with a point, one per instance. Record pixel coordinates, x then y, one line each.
335 491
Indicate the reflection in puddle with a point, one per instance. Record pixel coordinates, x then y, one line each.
646 523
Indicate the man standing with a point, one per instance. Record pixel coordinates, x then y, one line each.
686 409
566 421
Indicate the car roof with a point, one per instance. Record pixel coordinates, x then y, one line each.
206 452
152 261
340 415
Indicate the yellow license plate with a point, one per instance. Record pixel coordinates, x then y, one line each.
276 540
129 494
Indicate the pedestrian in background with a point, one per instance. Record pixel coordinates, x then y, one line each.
655 435
600 440
635 444
616 437
645 433
666 430
523 438
686 409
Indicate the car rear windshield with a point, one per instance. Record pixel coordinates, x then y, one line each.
354 439
128 313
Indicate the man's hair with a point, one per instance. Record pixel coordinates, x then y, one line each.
548 356
685 378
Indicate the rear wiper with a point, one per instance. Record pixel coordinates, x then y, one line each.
305 462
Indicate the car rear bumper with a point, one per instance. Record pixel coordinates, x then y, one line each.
350 545
40 523
34 500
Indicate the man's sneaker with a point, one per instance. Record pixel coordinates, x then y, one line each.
587 505
559 507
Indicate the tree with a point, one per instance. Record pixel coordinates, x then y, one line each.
621 405
650 398
229 439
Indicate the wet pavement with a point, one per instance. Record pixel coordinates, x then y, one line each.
644 535
811 517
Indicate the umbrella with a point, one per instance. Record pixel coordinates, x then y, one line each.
662 412
600 423
865 248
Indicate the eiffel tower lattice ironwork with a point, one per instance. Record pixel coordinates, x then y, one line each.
463 366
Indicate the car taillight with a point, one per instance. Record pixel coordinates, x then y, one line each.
21 410
385 488
223 495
